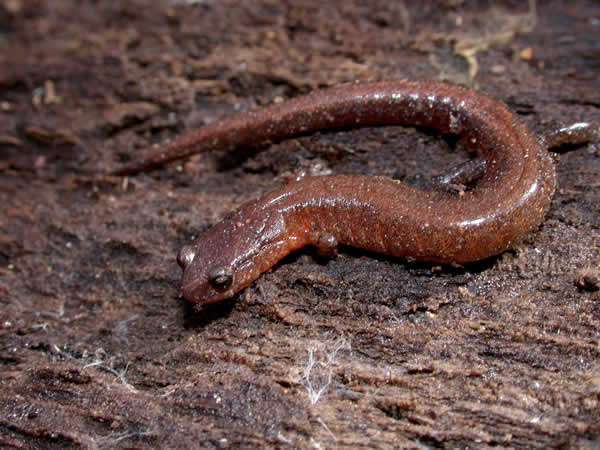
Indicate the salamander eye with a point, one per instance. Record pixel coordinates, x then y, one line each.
220 278
185 256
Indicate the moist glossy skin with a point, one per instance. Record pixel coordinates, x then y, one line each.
374 213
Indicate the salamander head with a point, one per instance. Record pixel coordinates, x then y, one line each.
208 285
228 257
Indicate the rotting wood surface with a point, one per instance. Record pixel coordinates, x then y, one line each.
96 350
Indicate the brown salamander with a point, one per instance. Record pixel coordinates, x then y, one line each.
374 213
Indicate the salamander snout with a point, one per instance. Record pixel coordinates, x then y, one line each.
185 256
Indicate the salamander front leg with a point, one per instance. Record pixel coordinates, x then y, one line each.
326 244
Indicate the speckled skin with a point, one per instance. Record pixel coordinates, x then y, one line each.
373 213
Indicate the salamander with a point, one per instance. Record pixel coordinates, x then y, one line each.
373 213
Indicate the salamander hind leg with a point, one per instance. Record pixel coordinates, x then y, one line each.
573 135
456 179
